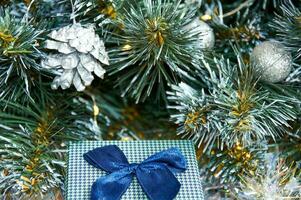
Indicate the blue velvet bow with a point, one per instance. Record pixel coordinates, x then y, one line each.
155 174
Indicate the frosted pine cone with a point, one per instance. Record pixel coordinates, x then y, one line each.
80 52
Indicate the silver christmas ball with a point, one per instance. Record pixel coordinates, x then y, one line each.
272 61
206 34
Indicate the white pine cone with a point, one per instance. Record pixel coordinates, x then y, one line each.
80 52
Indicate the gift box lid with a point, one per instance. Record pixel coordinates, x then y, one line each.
81 175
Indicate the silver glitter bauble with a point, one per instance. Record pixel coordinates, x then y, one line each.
80 52
272 61
206 34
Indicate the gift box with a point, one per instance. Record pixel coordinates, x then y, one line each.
81 175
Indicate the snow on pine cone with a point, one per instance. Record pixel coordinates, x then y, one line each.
80 52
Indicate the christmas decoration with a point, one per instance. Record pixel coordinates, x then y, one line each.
169 161
79 163
276 181
80 53
206 34
272 62
174 69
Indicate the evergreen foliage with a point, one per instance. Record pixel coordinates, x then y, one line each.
153 47
160 84
19 56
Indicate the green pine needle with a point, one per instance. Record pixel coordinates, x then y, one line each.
33 138
287 25
229 164
232 108
153 47
19 56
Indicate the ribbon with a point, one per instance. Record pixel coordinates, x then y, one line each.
155 174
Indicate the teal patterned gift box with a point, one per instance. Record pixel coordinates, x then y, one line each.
81 175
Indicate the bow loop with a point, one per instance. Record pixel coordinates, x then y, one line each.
158 183
112 186
109 158
172 157
155 174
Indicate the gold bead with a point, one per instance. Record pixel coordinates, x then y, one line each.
206 17
95 110
126 47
